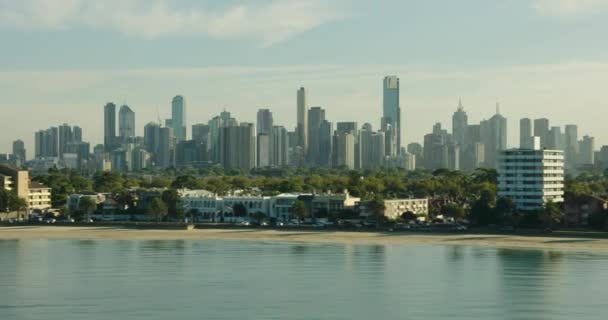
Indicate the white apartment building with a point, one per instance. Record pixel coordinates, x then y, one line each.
531 176
39 197
210 207
393 209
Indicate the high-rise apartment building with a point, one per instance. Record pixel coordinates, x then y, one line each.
531 176
237 147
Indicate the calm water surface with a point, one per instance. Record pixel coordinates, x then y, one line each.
72 279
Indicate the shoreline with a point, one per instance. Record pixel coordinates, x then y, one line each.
505 241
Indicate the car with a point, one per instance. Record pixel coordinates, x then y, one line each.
68 220
245 223
50 220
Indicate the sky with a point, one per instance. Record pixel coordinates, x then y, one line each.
62 60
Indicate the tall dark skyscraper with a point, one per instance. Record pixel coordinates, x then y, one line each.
302 120
19 150
391 111
109 126
525 131
178 118
316 116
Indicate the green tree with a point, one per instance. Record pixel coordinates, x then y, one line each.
171 199
86 205
157 209
505 208
107 181
453 211
377 207
551 214
300 210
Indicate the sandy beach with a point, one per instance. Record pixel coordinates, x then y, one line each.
306 236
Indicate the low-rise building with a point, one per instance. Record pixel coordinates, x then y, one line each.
209 206
39 197
395 208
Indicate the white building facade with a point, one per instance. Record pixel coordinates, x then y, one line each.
531 177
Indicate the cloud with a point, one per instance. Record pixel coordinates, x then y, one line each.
568 8
267 23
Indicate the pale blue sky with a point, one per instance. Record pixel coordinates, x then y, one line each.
62 60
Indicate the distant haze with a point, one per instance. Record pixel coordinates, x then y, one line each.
63 60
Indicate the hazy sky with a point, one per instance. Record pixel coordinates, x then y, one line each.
62 60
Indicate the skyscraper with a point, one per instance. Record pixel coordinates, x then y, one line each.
587 151
525 131
19 150
391 111
494 138
571 146
152 139
178 118
126 123
166 149
109 121
541 130
316 116
302 124
460 120
265 121
237 147
200 133
279 146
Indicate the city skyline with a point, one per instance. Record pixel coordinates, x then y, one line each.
538 58
285 116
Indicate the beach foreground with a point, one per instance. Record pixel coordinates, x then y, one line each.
309 236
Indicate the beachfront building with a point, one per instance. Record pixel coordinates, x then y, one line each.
395 208
39 197
209 207
531 176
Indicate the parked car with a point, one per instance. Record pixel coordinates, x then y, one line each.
50 220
